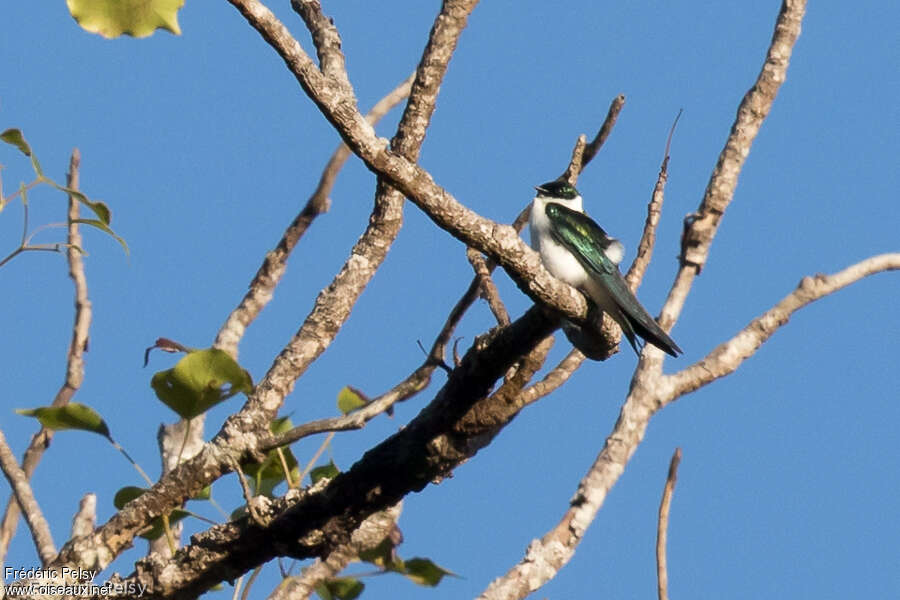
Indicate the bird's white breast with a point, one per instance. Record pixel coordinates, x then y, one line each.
561 263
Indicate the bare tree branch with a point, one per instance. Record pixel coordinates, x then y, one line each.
728 356
18 481
662 527
554 378
74 358
585 153
487 288
654 210
701 227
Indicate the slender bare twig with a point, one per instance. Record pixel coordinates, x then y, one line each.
74 358
315 457
654 210
554 378
728 356
487 288
357 419
248 495
18 481
662 528
586 153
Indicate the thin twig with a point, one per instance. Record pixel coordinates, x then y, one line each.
248 494
654 210
315 457
729 355
250 582
584 152
74 358
554 378
487 288
662 527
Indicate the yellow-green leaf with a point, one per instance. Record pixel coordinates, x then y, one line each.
349 399
137 18
71 416
16 138
199 381
382 555
343 588
103 227
425 572
328 471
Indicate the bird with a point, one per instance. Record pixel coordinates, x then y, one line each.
576 250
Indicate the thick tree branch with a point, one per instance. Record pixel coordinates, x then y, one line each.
447 432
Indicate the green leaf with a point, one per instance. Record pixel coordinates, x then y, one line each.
137 18
382 555
73 415
17 139
103 227
157 528
199 381
126 495
99 208
344 588
424 572
328 471
265 476
203 494
129 493
349 399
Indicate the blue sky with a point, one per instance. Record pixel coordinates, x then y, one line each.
205 148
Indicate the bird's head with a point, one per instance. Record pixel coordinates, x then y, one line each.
558 189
